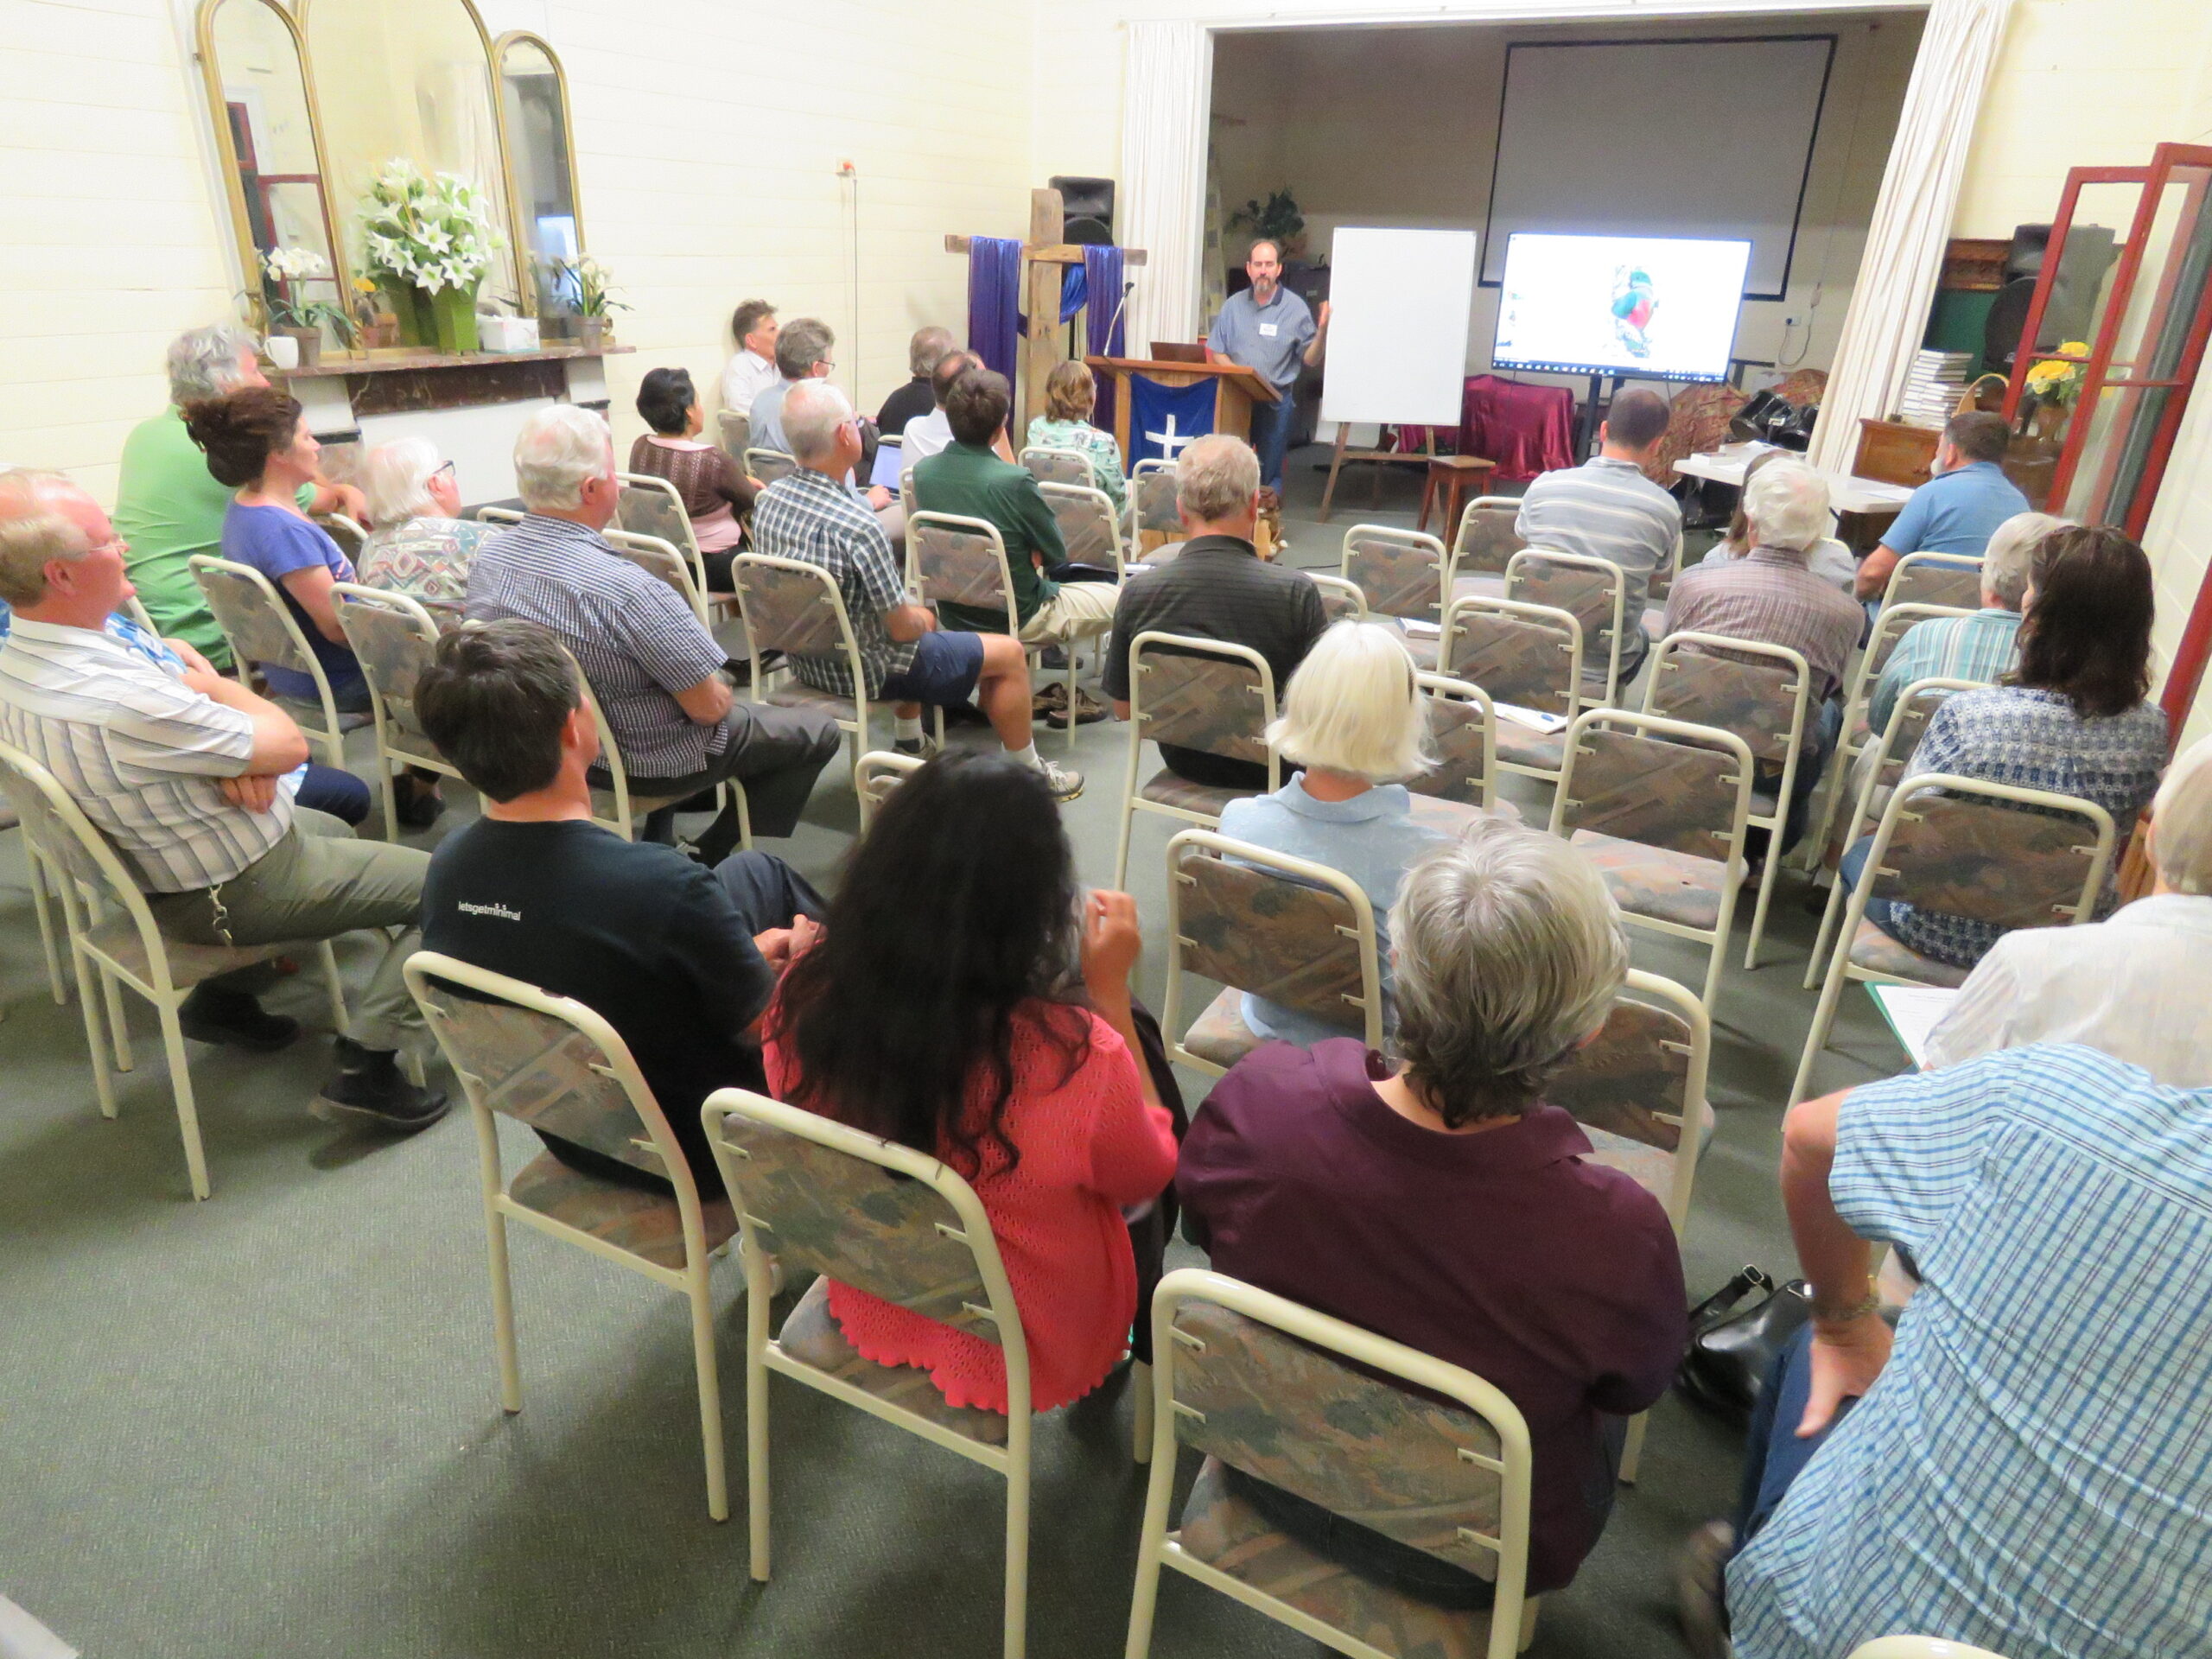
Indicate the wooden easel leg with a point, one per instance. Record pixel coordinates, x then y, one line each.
1336 460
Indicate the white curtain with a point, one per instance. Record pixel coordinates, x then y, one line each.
1168 90
1890 304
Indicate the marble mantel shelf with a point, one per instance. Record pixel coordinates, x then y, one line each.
392 362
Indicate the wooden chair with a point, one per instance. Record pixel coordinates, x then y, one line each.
958 561
877 774
1090 528
1198 694
1483 544
769 465
553 1063
395 639
734 433
1463 730
1951 579
1401 573
1526 657
617 806
1962 847
796 608
900 1225
1595 590
1154 520
259 627
1339 599
1323 1410
1285 928
127 949
1767 702
664 561
1049 465
1659 806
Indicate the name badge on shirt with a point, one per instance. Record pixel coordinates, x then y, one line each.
1268 331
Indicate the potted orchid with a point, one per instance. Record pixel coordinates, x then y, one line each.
429 240
594 298
289 317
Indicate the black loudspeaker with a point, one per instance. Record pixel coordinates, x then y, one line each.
1087 210
2025 258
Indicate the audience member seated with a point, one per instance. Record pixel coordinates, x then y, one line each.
680 960
1957 510
714 488
1219 588
1977 647
909 661
2031 1475
2134 986
1607 509
752 367
1442 1204
803 353
938 1010
930 432
2074 717
1771 597
168 507
1354 719
652 664
1827 558
186 771
421 546
1070 395
914 399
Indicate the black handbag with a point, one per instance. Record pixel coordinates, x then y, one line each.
1732 1346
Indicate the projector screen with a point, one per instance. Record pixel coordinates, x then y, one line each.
1707 138
1659 308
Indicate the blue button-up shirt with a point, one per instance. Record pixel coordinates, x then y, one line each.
1956 512
1271 338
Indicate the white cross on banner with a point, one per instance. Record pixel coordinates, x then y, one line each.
1164 419
1168 442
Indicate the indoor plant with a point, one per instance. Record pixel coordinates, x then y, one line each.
428 242
2054 382
1276 220
594 298
282 270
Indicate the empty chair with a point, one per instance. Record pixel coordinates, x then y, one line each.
259 628
1595 590
1483 542
551 1063
734 433
1528 657
1090 528
1059 466
394 638
795 608
1949 579
1399 571
769 465
1198 694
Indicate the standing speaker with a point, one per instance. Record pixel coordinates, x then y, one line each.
1087 209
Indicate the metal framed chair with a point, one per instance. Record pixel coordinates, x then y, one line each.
877 774
1323 1409
1090 528
650 505
1400 572
1526 657
1154 521
1463 729
616 805
1285 928
395 638
959 561
128 949
1594 589
769 465
1484 544
1952 579
1198 694
1767 702
259 627
1050 465
553 1063
1919 1647
900 1225
796 608
1339 599
348 533
499 516
907 499
1659 806
1962 847
734 433
662 560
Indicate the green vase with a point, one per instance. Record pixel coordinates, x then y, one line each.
410 307
453 316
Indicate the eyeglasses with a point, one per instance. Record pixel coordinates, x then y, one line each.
445 471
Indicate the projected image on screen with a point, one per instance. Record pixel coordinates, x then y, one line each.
1657 308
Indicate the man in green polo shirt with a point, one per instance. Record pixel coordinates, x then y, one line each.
168 506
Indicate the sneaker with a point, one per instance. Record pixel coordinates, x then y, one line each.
1064 782
368 1086
1698 1571
418 803
1088 710
924 748
1050 704
212 1014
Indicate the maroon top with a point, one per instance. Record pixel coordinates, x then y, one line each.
1503 1252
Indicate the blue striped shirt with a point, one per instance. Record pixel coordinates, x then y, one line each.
2033 1472
1977 647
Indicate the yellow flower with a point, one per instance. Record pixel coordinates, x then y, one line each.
2075 347
362 285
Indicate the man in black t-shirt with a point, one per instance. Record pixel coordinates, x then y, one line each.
679 959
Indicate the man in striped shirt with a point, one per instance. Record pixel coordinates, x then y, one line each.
181 769
1607 509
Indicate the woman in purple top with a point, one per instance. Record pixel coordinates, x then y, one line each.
1442 1204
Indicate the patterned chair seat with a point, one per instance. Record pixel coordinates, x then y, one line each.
117 939
1220 1034
1230 1535
1480 585
798 693
633 1218
1422 648
1878 953
311 715
1524 746
603 800
1165 788
1456 818
1763 802
1651 881
811 1337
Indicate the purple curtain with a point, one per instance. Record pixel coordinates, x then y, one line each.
1106 322
994 301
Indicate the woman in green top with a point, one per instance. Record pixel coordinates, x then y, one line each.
1070 394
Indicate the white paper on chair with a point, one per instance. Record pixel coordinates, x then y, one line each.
1535 718
1914 1012
1423 630
23 1637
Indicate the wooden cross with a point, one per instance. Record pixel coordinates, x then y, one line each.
1045 257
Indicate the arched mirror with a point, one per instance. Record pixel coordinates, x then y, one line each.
255 69
542 169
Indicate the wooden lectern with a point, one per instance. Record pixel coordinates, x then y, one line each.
1236 389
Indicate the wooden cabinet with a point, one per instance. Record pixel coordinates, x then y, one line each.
1891 452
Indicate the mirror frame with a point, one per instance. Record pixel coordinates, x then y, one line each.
514 36
211 74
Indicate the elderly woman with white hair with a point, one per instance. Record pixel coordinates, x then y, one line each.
421 546
1438 1201
1353 720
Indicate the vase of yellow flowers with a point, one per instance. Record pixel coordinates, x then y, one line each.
2055 384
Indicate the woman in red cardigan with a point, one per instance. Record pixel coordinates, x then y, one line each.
968 1000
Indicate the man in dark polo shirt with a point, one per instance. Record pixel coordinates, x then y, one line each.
1219 588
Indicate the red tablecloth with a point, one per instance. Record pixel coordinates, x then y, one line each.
1525 429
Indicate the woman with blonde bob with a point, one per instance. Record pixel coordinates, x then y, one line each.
1354 721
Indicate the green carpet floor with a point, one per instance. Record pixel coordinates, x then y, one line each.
268 1425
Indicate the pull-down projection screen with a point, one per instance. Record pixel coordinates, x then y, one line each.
1703 138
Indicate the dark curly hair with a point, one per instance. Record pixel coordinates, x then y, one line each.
958 906
241 429
2087 634
664 399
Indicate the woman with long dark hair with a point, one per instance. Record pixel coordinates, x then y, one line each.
967 999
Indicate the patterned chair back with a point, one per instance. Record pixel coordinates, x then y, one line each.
1990 853
1060 467
1760 700
1486 537
253 618
348 533
655 557
956 560
395 638
1339 599
1270 1388
1527 655
1633 778
733 432
1640 1082
1089 528
769 465
57 826
789 606
822 1196
643 509
1916 706
1258 921
1541 576
1463 732
1935 579
1152 503
1201 694
1399 571
877 774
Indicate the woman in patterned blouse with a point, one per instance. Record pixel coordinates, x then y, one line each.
2073 717
422 545
714 488
1071 393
